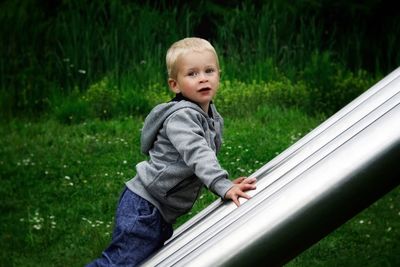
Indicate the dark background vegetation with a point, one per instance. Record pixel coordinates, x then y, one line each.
51 48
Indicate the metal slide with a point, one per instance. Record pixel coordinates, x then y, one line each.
317 184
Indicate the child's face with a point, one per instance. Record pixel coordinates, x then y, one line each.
197 77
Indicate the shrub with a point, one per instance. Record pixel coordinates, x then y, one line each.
327 93
102 99
238 98
348 86
331 86
139 101
286 94
132 102
157 93
72 110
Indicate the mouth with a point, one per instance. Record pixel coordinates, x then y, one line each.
205 89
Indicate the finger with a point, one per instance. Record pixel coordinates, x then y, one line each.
244 195
236 201
246 187
250 180
239 180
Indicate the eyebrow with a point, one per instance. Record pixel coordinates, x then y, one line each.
206 66
191 69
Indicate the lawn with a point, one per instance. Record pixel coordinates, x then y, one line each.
60 184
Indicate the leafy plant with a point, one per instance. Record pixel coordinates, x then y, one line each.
72 110
102 99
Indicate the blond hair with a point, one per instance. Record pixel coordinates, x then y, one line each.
181 47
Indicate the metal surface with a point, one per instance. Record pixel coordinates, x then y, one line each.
314 186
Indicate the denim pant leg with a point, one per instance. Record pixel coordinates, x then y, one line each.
139 231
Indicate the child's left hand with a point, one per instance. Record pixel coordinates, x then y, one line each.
241 185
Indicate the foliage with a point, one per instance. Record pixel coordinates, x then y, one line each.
247 98
75 44
104 101
102 98
72 110
50 48
330 85
133 101
336 88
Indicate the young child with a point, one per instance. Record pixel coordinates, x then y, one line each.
181 138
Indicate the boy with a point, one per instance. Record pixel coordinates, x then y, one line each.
182 138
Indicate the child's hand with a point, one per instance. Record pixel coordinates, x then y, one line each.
241 185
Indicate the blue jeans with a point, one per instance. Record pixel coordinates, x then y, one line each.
139 231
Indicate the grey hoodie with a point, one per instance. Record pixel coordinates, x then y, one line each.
182 141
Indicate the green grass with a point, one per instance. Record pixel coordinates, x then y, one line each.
54 176
60 185
51 49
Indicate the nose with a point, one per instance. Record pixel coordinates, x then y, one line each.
203 77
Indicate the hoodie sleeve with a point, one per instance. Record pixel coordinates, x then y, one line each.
185 131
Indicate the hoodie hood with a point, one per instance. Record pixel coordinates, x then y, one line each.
155 120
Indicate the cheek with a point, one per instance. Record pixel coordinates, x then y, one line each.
186 83
216 82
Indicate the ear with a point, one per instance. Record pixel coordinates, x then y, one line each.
173 85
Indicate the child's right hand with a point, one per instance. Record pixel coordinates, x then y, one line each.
241 185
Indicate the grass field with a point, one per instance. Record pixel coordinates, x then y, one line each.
60 184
